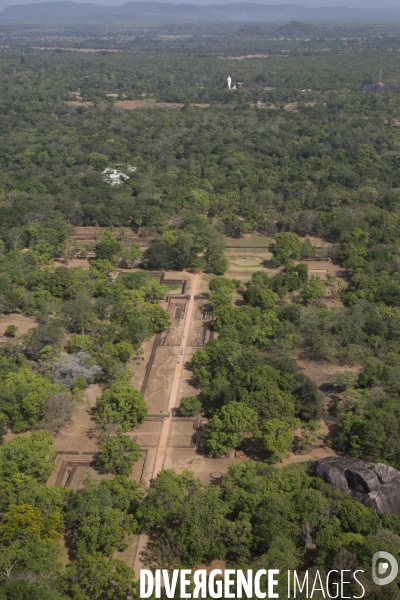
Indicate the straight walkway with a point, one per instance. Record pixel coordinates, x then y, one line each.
173 397
172 403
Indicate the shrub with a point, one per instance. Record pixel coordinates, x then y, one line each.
11 331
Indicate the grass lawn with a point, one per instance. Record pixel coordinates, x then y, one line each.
173 288
253 241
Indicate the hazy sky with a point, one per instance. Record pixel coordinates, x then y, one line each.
311 3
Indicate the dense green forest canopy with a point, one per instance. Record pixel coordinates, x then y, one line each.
267 159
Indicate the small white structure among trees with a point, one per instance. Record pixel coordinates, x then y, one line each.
116 176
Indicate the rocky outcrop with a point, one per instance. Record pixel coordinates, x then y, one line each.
374 484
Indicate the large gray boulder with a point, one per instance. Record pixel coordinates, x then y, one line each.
374 484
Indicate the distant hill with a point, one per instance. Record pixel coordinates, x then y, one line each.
241 11
297 30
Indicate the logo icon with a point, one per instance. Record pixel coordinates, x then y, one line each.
380 565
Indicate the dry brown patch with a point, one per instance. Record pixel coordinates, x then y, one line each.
315 452
73 262
322 268
77 103
180 459
74 436
136 104
23 323
316 241
174 37
243 56
76 49
321 372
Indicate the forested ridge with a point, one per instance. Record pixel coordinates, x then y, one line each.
267 162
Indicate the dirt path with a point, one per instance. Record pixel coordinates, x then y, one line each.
163 377
173 397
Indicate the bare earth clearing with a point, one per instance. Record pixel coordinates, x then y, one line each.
23 323
76 49
135 104
243 57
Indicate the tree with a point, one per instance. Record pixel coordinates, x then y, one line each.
353 250
71 366
307 250
24 590
259 292
98 160
130 255
58 412
229 426
118 455
23 397
31 455
185 518
20 489
221 291
312 290
157 316
287 247
108 248
24 521
189 406
136 280
357 518
216 261
159 256
100 517
93 577
121 407
276 435
79 314
154 291
43 335
29 543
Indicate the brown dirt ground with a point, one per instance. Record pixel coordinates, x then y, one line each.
316 241
23 323
129 554
73 262
322 268
187 458
135 104
292 106
77 103
147 433
243 57
322 372
74 435
75 49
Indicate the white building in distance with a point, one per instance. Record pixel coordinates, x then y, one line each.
116 176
